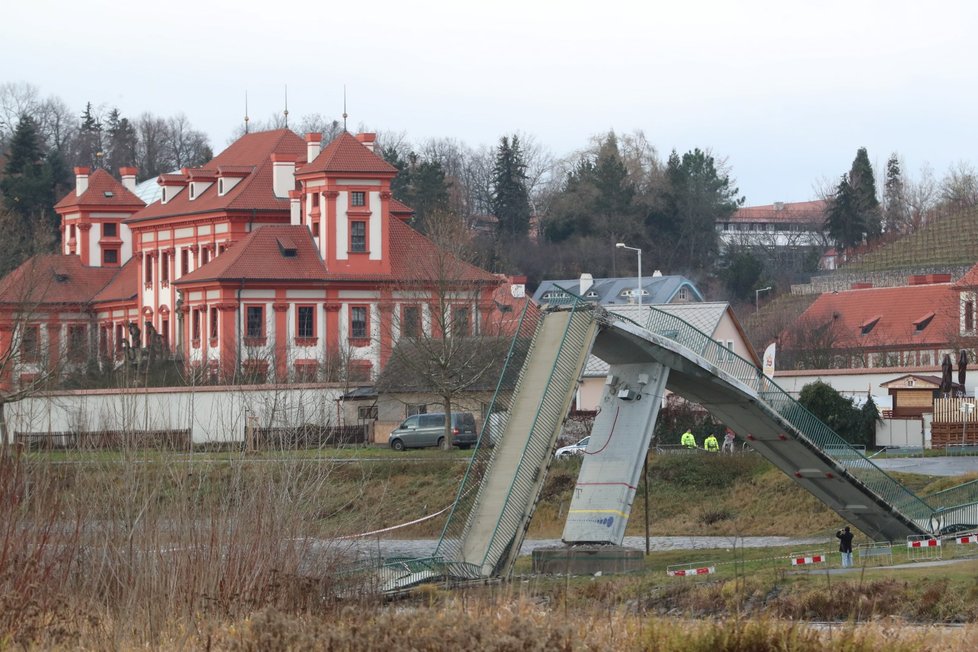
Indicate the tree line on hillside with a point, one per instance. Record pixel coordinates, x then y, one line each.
42 139
529 211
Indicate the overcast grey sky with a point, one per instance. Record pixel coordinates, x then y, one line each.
785 91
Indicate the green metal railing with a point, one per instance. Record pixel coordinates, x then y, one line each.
550 413
778 402
494 425
805 424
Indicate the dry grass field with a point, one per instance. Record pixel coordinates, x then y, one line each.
141 550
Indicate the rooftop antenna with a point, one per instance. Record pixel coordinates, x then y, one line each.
286 112
344 107
246 112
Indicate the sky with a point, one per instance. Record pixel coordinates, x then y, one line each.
785 92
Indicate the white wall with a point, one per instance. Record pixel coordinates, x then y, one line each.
213 414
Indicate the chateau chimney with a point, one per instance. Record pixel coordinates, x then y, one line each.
586 282
128 177
81 181
283 174
295 207
368 139
314 143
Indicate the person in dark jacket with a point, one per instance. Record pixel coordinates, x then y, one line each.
845 546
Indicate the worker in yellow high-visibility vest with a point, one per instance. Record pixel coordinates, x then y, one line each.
688 440
711 444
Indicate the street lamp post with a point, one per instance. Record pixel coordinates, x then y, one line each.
622 245
757 293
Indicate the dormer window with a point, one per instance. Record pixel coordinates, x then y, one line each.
683 294
969 316
287 247
109 194
193 190
923 322
591 295
220 186
867 326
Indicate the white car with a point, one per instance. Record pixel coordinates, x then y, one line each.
573 449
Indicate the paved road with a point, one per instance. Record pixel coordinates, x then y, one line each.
426 547
941 466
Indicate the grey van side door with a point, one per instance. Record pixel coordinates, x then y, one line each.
432 427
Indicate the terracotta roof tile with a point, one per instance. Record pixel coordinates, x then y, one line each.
413 256
804 212
252 192
400 207
124 286
101 182
261 257
347 154
54 278
889 316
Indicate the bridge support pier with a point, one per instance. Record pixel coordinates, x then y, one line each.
616 454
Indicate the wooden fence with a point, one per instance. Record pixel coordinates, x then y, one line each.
951 425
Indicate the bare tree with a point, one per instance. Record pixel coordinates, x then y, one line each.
959 188
28 362
187 146
447 343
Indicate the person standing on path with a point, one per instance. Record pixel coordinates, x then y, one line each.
688 440
728 441
845 546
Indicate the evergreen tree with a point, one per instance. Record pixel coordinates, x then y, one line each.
896 212
863 183
615 191
421 184
697 195
121 142
510 197
843 220
835 410
26 183
89 150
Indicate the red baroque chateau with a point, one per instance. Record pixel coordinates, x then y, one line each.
274 260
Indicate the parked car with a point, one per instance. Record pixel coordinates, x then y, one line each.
573 449
423 430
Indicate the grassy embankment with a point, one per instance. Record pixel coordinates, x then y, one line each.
228 552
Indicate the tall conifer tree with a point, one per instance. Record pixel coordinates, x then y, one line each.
510 197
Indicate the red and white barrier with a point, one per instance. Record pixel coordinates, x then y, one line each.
925 543
970 538
809 559
688 572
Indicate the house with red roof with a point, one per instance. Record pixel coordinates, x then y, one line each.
275 260
866 327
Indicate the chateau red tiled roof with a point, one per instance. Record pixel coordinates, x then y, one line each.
54 279
413 256
260 257
899 311
807 212
253 192
347 154
99 183
398 206
124 286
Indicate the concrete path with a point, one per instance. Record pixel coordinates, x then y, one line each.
939 466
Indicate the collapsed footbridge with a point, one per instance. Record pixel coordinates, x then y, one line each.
502 485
